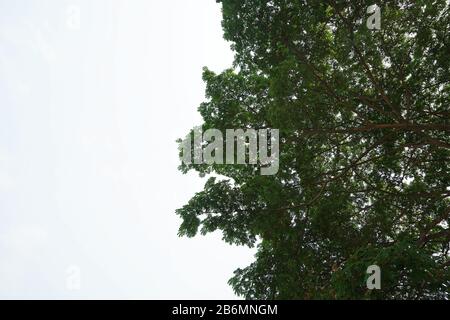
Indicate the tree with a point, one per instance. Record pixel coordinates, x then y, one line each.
364 136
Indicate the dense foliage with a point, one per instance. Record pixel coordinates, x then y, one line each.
364 125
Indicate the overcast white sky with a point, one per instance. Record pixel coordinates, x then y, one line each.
90 109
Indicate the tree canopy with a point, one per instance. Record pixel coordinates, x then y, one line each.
364 128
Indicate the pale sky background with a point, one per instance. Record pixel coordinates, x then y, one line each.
90 109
